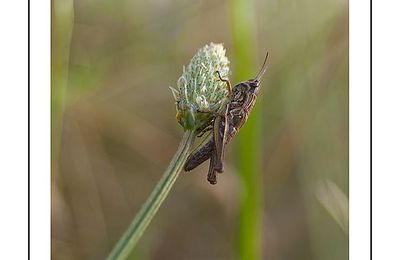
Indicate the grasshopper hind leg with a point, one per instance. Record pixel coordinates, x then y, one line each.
212 176
221 127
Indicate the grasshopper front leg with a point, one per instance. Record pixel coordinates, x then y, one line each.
205 130
227 82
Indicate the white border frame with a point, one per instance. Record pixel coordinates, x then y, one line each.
40 186
359 127
386 130
13 130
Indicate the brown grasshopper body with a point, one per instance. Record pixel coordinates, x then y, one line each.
226 125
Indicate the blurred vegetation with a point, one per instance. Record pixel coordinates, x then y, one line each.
114 127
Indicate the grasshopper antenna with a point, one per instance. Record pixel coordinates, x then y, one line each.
263 69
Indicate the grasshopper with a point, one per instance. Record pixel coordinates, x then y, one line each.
225 125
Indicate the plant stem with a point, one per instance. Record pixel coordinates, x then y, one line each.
139 224
249 140
63 27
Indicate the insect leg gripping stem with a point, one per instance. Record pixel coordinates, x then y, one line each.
227 82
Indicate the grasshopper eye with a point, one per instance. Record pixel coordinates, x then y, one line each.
255 83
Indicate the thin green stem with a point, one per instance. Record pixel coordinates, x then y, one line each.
63 27
249 146
139 224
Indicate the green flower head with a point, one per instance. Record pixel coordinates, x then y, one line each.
199 94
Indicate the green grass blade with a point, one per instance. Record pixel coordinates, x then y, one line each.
63 26
249 147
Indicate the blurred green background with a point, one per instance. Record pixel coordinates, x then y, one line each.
114 129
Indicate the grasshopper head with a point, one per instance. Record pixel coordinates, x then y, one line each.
254 86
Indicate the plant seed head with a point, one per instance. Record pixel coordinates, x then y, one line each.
199 94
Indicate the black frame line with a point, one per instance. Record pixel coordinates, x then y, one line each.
29 130
370 122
